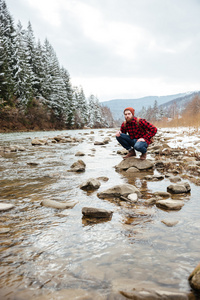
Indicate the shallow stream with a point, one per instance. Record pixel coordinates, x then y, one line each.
47 250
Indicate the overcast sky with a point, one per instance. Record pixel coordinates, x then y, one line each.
120 48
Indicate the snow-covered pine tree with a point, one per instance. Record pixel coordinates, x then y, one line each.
38 68
155 111
81 111
47 78
70 98
32 57
95 116
142 113
23 75
28 70
7 34
53 86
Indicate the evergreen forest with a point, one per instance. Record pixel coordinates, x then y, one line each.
35 91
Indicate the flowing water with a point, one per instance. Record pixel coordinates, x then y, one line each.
45 250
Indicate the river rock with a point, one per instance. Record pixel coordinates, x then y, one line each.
162 194
57 204
15 148
20 148
119 190
153 200
32 163
7 150
174 178
37 142
106 140
98 143
133 197
58 138
4 230
96 212
78 166
79 153
134 162
132 170
5 206
90 184
179 188
103 178
169 204
144 294
189 159
122 151
154 177
194 278
170 223
166 151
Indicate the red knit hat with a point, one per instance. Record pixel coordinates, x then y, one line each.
132 110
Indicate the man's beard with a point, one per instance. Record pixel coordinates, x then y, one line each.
128 119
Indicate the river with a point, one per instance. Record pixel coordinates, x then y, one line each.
46 250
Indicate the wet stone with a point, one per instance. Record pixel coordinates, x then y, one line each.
194 278
90 184
179 188
57 204
118 191
37 142
96 212
78 166
4 230
134 162
6 206
170 204
132 170
162 194
144 294
133 197
79 153
170 223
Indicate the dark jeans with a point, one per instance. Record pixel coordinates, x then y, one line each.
128 143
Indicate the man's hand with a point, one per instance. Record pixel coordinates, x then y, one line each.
141 140
118 133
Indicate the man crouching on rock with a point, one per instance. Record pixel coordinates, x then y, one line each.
140 133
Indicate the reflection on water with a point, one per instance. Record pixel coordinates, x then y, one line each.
44 250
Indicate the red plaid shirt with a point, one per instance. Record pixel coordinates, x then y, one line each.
147 130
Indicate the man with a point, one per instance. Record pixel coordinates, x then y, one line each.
139 135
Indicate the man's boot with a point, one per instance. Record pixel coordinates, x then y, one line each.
131 153
143 156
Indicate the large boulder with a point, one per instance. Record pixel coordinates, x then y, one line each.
134 162
179 188
122 190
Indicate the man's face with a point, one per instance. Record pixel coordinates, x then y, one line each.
128 115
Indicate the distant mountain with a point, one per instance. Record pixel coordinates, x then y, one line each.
117 105
181 102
